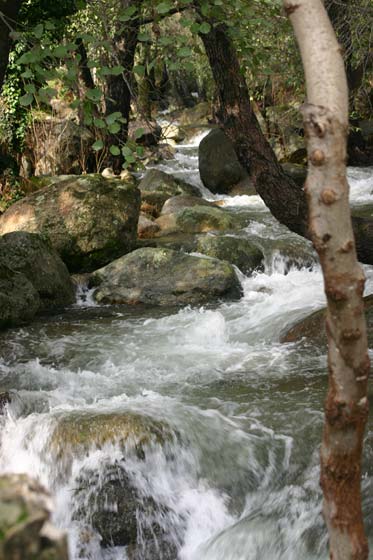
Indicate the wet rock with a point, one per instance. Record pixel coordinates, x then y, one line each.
26 532
196 219
76 433
177 203
29 254
312 327
164 277
161 182
146 228
240 252
219 167
19 300
114 509
362 222
88 220
5 399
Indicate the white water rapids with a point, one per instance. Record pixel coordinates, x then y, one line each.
239 478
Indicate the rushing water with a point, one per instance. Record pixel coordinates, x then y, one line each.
238 479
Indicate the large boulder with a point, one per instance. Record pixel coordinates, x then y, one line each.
164 277
89 220
219 167
25 527
30 255
240 252
196 219
19 300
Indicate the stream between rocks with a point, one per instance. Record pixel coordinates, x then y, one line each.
225 465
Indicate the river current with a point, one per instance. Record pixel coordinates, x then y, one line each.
240 478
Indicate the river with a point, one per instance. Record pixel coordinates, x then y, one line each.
239 479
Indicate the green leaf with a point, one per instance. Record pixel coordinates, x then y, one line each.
30 88
94 94
26 99
205 28
38 31
164 7
117 70
99 123
144 37
126 151
110 119
114 150
185 52
27 74
98 145
114 128
60 51
139 69
138 133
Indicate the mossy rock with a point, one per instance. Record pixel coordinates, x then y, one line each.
19 300
164 277
88 220
158 181
240 252
196 219
78 432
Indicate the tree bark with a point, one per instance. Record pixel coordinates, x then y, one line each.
235 115
119 88
8 15
346 408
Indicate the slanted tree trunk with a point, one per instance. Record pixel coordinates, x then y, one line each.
8 15
346 409
235 115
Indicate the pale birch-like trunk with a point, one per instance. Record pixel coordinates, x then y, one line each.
346 408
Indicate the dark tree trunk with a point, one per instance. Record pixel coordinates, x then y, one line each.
284 198
119 88
235 115
8 15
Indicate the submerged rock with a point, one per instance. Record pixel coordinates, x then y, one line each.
88 220
25 528
196 219
312 327
164 277
240 252
29 254
219 167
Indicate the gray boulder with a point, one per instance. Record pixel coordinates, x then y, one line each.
29 254
219 167
164 277
89 220
161 182
177 203
240 252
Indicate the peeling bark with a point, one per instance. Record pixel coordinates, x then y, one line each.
346 408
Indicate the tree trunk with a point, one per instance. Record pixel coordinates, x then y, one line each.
8 15
119 88
346 408
235 115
